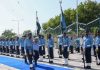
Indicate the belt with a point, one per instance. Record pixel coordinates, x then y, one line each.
88 45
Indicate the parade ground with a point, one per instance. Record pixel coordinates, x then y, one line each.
75 63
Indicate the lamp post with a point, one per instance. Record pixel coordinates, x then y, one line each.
77 16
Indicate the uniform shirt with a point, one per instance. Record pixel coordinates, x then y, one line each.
50 42
66 41
60 40
22 42
78 42
3 43
97 41
0 43
36 46
94 41
87 41
17 42
28 44
7 43
10 43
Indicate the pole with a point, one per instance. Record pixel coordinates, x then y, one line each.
77 16
60 2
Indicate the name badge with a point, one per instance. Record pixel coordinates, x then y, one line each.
88 45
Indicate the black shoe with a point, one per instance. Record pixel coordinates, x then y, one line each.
50 62
88 67
65 64
60 56
98 63
12 55
32 68
43 56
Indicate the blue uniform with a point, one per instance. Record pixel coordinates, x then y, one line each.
87 41
22 42
66 41
87 44
51 42
28 44
97 41
60 40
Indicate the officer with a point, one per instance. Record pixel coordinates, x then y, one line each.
7 46
66 45
36 50
78 45
17 46
50 42
28 44
97 43
87 44
71 45
60 42
22 39
0 46
11 47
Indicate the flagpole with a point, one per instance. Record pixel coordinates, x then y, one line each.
77 16
60 2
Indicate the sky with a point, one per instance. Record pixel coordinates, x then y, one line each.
24 11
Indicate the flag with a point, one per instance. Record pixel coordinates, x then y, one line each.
62 21
38 25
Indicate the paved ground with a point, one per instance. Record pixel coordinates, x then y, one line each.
74 62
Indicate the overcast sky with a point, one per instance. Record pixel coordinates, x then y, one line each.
25 11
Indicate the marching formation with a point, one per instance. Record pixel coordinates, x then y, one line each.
33 48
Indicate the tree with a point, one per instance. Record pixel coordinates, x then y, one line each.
26 32
8 34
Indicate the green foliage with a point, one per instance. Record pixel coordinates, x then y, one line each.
26 32
8 34
87 12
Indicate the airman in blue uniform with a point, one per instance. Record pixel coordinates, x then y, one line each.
87 44
97 43
66 45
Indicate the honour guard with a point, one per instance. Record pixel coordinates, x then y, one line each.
71 45
87 44
11 47
78 45
36 50
50 48
28 44
7 46
22 39
60 43
17 46
66 45
98 47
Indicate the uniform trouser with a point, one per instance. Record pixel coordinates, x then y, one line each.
1 48
71 48
7 49
36 56
65 52
51 54
94 47
98 52
4 49
60 49
22 51
17 50
29 55
42 50
78 49
88 54
11 49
